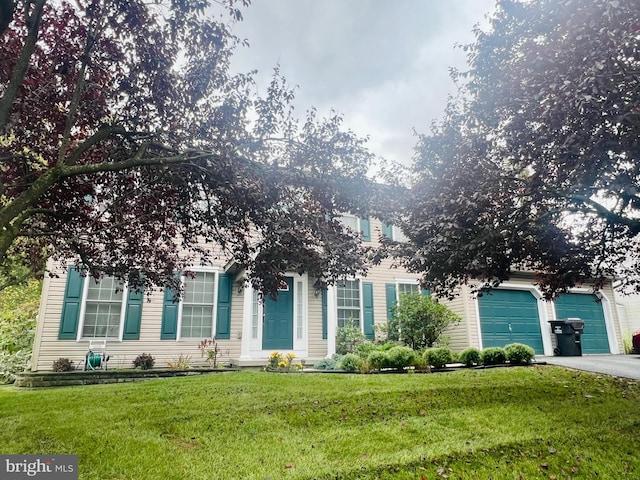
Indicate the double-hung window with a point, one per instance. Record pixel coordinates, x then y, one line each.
203 311
356 225
198 305
103 308
348 300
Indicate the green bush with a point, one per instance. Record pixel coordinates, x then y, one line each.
420 363
385 347
493 356
63 365
18 310
328 363
419 321
519 354
350 362
365 348
378 359
349 337
400 357
438 357
470 356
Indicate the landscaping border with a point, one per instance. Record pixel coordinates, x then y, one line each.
80 377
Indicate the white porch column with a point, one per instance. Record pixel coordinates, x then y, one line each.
247 311
332 320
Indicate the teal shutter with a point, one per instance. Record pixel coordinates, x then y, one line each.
133 316
426 293
387 231
223 317
390 290
365 229
71 305
169 329
324 313
367 300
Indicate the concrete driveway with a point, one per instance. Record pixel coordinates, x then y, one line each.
627 366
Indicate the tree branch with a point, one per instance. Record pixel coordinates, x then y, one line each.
33 24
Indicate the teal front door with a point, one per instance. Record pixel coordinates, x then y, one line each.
587 308
510 316
277 331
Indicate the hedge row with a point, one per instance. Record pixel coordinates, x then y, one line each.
370 357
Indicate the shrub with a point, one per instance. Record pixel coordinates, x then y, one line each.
365 348
144 361
421 363
348 337
438 357
13 363
350 362
400 357
519 354
18 310
493 356
63 365
378 359
419 321
470 356
328 363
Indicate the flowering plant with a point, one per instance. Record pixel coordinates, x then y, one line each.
209 349
282 363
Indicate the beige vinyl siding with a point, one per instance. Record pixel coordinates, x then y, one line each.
317 346
629 312
49 347
458 334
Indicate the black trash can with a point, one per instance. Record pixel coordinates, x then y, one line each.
567 332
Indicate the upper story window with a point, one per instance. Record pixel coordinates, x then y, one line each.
356 224
394 233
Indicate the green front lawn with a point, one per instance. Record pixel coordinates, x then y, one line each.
537 422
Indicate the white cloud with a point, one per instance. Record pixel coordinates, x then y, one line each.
383 64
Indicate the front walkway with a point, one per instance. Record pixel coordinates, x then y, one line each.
627 366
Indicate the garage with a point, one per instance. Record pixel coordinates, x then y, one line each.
509 316
586 307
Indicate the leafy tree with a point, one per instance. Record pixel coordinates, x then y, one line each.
127 145
18 311
535 165
419 321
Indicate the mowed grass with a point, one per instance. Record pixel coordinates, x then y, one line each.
526 422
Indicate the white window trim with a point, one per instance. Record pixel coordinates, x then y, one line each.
200 269
361 300
83 308
406 281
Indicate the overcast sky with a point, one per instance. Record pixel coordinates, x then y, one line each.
383 64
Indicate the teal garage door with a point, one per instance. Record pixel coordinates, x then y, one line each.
586 307
508 316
